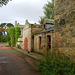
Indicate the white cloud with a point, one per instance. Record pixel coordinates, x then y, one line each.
21 10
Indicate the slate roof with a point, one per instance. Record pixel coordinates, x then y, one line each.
44 31
49 26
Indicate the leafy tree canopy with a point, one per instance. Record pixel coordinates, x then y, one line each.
41 20
4 2
48 11
3 24
10 25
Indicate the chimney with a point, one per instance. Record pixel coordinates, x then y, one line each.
15 23
26 22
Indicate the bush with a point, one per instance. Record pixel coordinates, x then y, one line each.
56 64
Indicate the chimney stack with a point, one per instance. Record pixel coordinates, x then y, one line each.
15 23
26 22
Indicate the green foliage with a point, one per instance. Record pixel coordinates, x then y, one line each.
6 44
2 25
4 2
3 38
10 25
13 34
17 32
49 10
0 33
56 64
41 20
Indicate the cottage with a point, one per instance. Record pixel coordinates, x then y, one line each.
43 39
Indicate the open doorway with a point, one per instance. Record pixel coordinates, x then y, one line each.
48 42
40 42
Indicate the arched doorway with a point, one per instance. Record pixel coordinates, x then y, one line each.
26 44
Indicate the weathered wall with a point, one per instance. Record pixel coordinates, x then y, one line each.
43 42
65 26
27 34
34 29
28 31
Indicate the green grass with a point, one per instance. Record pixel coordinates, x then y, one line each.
5 43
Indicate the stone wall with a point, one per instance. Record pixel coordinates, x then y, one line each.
64 14
27 34
28 31
43 48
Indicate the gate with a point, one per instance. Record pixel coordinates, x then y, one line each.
26 44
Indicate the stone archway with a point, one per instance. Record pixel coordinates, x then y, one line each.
26 44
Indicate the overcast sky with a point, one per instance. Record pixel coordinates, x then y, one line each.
20 10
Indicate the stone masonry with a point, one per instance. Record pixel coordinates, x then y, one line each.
64 14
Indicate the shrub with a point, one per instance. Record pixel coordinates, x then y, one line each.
56 64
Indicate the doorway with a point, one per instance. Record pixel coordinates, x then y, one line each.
48 42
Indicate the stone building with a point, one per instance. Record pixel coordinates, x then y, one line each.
26 42
36 37
28 38
43 39
64 14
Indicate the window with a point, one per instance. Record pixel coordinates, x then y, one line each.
20 33
39 42
44 26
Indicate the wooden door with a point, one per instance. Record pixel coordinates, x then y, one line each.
26 44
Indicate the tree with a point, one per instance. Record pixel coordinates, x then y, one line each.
48 11
4 2
10 25
13 34
41 20
17 32
0 36
6 24
2 25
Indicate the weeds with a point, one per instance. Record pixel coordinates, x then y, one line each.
55 64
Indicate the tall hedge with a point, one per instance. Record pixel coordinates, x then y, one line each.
13 33
17 32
